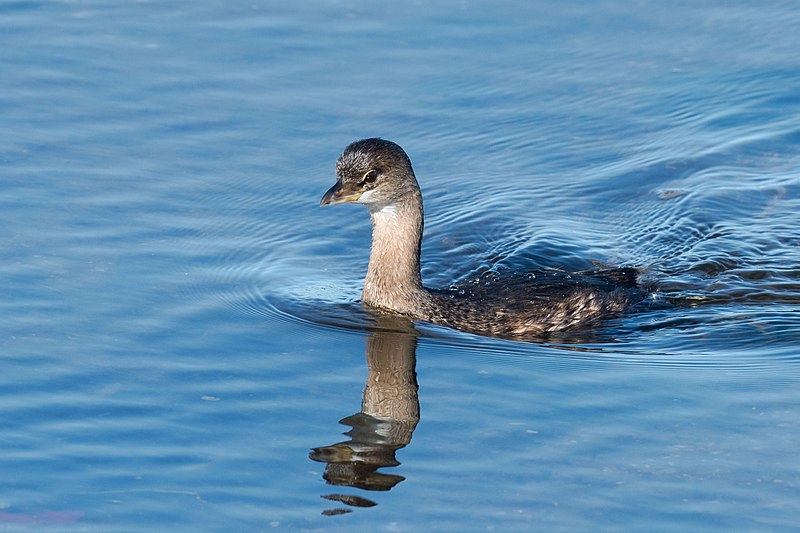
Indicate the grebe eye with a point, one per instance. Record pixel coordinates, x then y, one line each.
370 176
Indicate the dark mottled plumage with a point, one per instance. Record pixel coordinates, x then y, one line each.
378 173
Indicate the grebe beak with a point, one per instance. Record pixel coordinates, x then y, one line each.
339 194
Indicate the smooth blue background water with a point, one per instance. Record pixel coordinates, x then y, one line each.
180 322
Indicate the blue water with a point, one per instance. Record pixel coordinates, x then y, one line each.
180 327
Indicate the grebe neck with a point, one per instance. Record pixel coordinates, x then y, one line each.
393 280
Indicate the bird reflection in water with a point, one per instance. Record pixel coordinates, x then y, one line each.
389 414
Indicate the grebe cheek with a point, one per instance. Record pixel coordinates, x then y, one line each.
365 196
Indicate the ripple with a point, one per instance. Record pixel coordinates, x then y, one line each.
715 282
712 227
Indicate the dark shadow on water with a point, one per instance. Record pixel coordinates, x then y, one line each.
390 408
389 414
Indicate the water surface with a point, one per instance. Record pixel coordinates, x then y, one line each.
180 332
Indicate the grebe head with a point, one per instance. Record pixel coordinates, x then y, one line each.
375 172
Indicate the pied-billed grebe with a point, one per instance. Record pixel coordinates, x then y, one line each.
378 173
